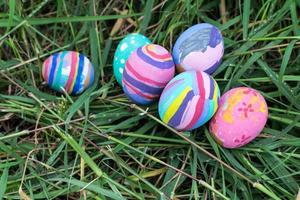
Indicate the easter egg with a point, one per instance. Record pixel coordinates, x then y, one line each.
130 43
189 100
241 116
147 71
199 48
69 71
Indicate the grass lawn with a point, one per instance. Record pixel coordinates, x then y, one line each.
99 145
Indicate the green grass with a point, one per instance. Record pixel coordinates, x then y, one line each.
100 146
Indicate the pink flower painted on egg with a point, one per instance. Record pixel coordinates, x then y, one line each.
246 108
241 116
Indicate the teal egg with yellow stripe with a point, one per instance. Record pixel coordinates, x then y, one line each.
189 100
68 71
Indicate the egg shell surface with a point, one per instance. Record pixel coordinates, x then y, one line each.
199 48
241 116
147 71
69 70
189 100
124 49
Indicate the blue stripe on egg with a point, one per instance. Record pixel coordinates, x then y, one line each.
80 69
53 67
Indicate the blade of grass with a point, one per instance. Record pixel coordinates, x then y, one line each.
12 7
70 140
147 16
283 87
286 58
91 187
3 182
20 24
246 15
53 20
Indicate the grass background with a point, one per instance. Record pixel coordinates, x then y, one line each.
100 146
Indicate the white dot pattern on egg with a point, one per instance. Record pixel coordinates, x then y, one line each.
126 46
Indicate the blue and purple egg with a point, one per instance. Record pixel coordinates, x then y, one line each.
199 48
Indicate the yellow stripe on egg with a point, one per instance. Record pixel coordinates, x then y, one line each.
175 105
215 98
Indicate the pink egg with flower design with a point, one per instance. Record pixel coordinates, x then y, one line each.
241 116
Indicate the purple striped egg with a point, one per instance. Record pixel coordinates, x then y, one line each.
147 71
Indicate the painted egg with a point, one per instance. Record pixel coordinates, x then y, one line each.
241 116
68 70
199 48
130 43
189 100
147 72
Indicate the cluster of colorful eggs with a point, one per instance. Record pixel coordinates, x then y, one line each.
187 101
147 70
